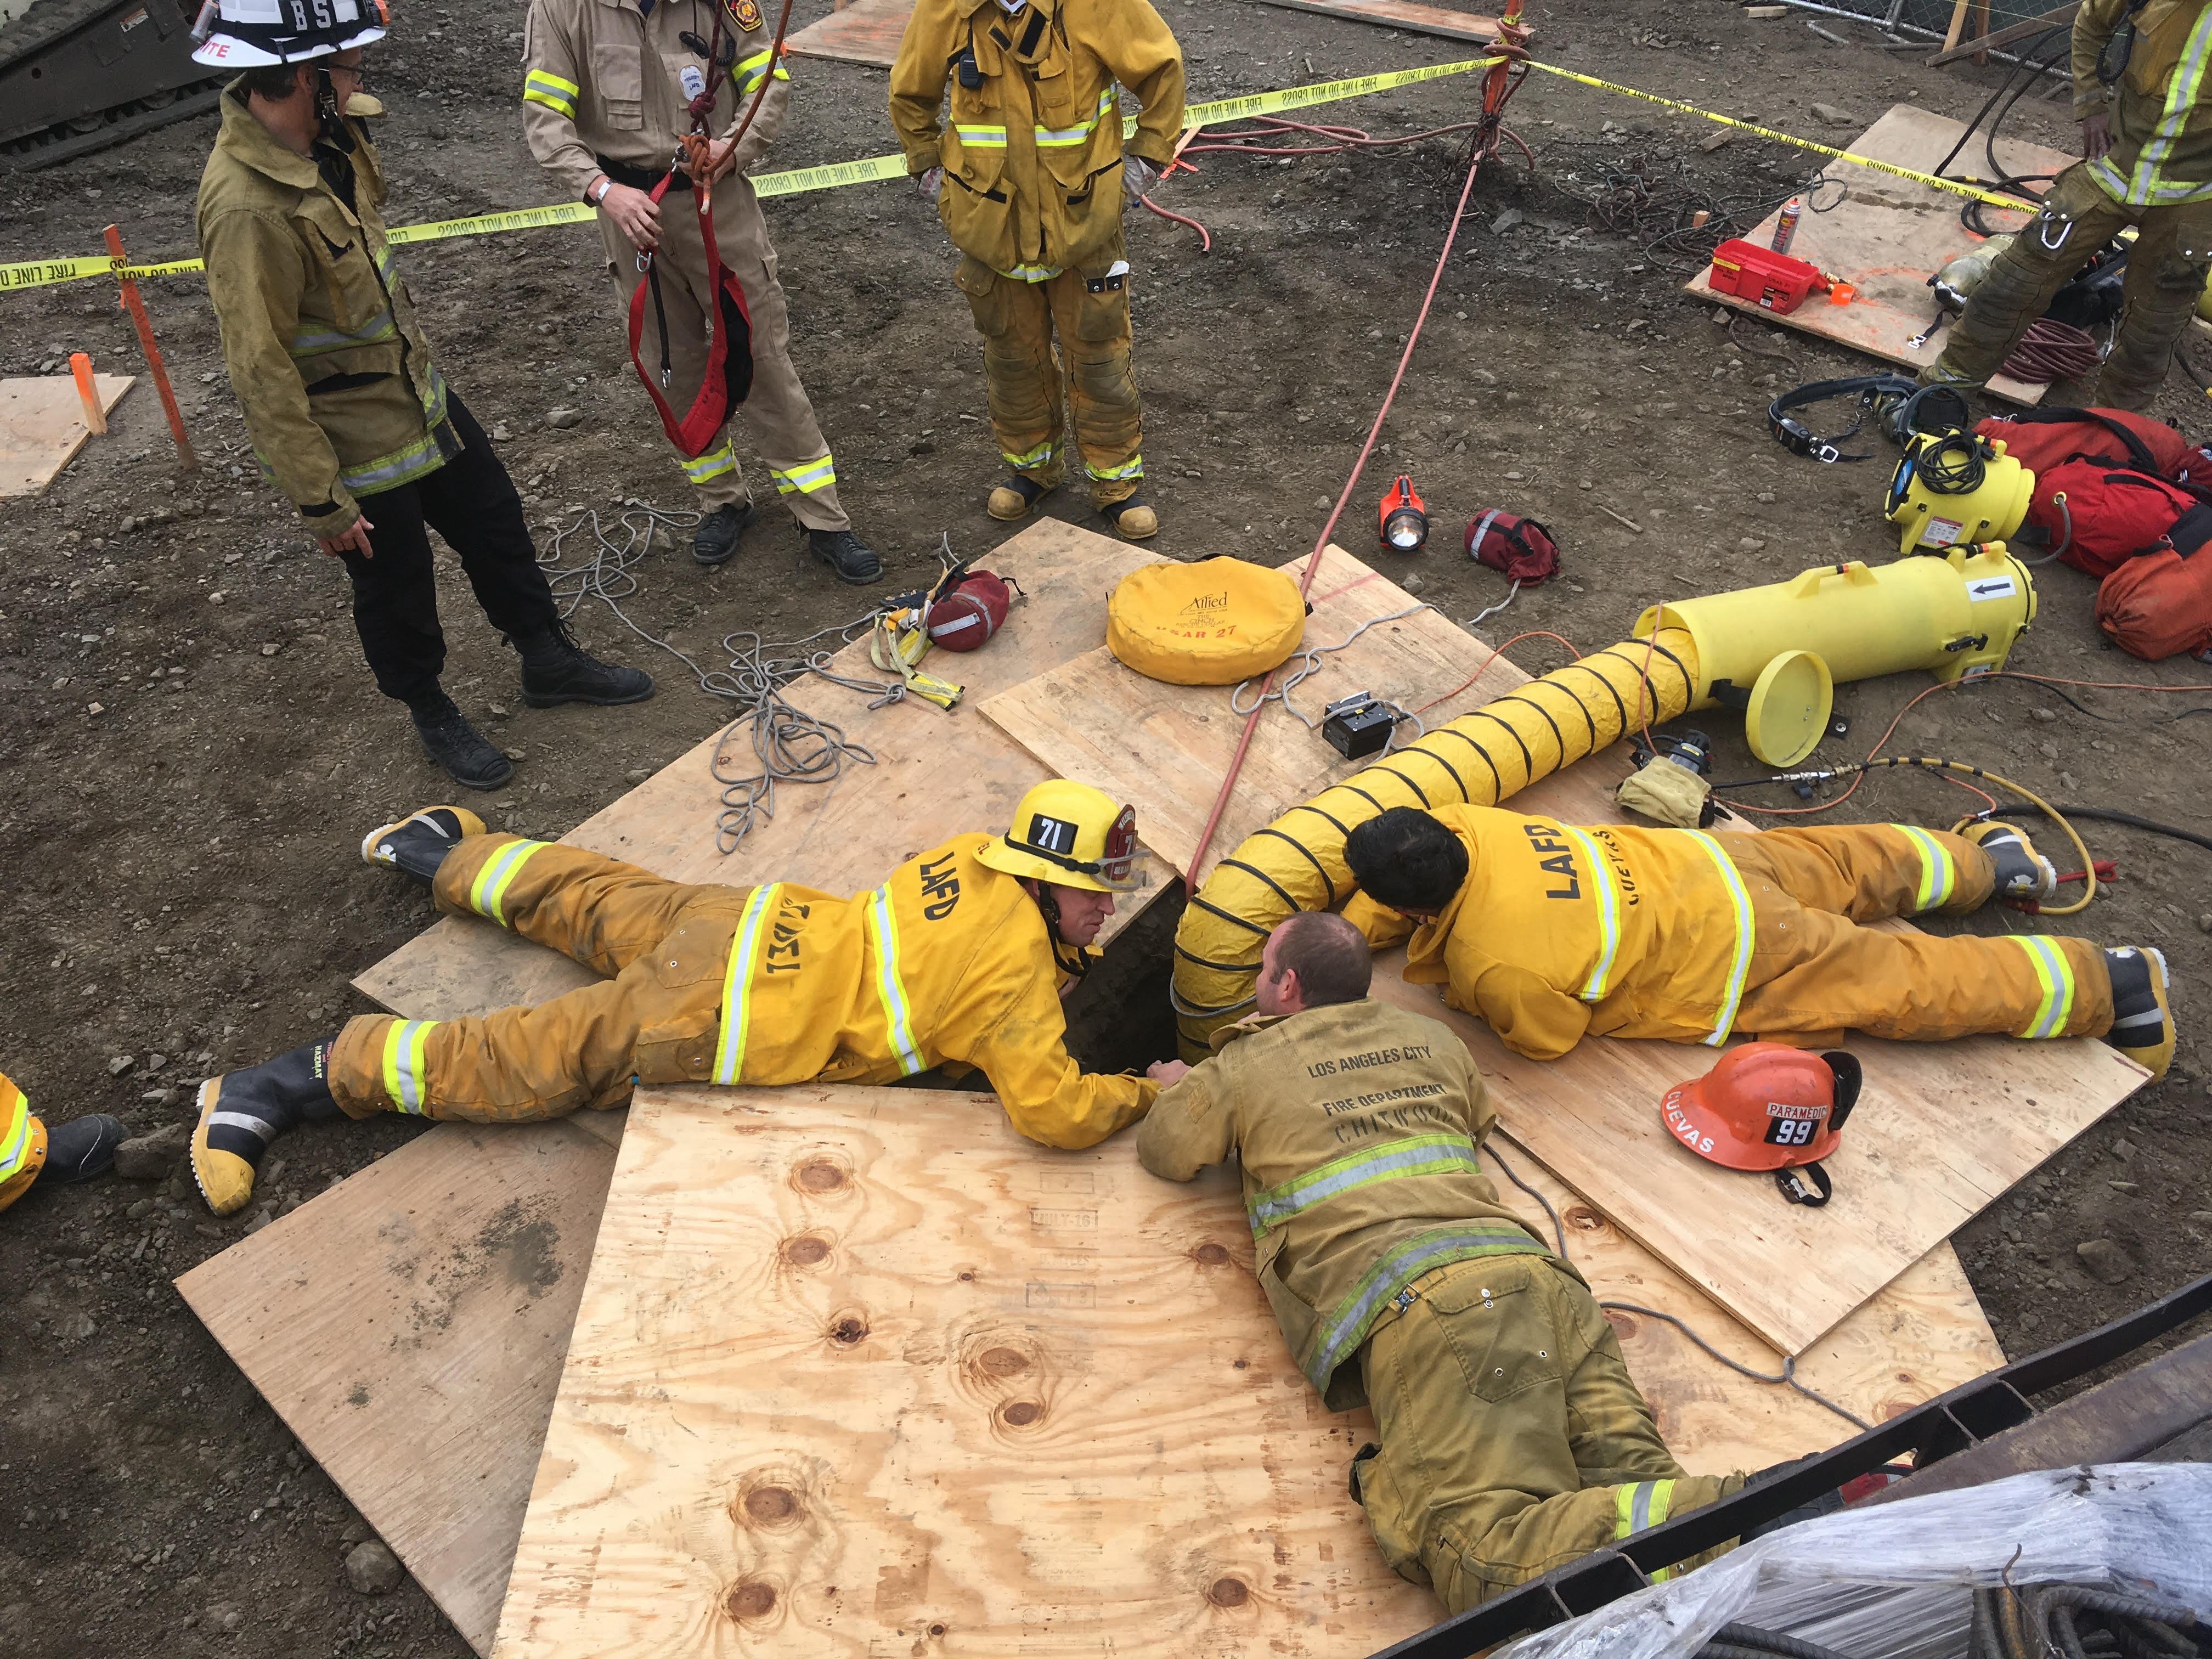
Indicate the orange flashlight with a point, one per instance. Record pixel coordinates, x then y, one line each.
1404 521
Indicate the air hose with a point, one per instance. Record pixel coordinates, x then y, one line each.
1297 863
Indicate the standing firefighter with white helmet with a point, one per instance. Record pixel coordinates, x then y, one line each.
959 960
348 415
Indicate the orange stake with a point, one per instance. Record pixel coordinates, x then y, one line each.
132 304
88 392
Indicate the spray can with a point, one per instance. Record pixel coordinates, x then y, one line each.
1785 228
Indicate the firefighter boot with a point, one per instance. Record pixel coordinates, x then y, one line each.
852 560
1014 498
557 670
459 746
418 843
1133 518
241 1112
720 530
2022 872
2143 1018
79 1149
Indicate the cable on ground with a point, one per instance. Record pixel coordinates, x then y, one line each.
1310 657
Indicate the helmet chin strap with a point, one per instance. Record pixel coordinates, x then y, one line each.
1048 903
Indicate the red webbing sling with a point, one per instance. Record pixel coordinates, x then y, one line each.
729 375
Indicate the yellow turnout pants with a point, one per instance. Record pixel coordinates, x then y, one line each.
1023 369
665 946
1816 971
22 1143
1513 1440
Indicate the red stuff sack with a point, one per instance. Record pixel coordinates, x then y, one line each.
1520 547
2160 605
2043 439
2098 518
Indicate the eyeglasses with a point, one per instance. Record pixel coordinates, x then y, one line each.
359 72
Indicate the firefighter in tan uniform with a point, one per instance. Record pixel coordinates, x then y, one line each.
31 1154
1547 932
605 100
1513 1440
959 959
1029 175
2140 95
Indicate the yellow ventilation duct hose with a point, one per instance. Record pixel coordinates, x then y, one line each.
1297 863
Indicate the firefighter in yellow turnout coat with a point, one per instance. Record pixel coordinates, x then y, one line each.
1030 176
1547 931
2140 93
957 959
1513 1440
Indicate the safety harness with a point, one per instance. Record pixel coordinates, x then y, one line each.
1904 407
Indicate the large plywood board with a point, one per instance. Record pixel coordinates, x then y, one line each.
864 31
408 1326
862 1369
1941 1129
42 427
1404 15
1888 236
841 836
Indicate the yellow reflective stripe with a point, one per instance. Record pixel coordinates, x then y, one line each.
15 1129
890 988
1033 273
404 1074
1064 137
1640 1506
558 95
737 985
1036 457
805 479
487 892
1131 468
2055 976
981 137
713 465
1939 874
1740 969
747 72
2145 186
1608 920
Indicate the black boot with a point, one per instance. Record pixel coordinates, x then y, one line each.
719 532
241 1112
418 843
557 670
459 747
79 1149
852 559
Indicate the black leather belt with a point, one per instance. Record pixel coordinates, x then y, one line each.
640 177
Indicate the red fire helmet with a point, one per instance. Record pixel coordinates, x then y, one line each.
1764 1106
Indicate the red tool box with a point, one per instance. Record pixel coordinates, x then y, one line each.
1778 281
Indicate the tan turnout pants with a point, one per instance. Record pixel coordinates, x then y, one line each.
1054 341
1812 960
1513 1439
777 416
663 944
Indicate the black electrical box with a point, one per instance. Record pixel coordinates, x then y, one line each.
1358 725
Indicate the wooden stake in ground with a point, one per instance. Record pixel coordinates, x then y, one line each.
139 320
95 418
1958 23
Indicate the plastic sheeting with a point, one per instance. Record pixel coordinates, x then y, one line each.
1892 1581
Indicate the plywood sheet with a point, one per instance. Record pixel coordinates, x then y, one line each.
840 836
1404 15
1167 747
859 1369
865 32
1942 1130
42 427
408 1326
1888 236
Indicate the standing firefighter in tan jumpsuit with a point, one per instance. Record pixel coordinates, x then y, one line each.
2140 93
1513 1439
1030 178
605 100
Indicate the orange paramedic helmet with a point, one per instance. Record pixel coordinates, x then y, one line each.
1766 1106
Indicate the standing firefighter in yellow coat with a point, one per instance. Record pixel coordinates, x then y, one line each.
606 95
960 958
1030 177
1513 1440
1546 931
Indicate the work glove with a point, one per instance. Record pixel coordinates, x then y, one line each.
1137 176
929 184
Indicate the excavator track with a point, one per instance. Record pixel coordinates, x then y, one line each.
78 76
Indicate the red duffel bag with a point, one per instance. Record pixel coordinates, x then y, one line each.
2099 517
2041 438
2160 605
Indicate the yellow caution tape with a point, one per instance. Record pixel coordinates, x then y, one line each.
42 273
1957 187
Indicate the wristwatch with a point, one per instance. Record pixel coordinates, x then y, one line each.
606 184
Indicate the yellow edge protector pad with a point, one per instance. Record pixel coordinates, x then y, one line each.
41 273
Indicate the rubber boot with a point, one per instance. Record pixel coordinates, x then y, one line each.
241 1112
1133 520
418 843
1015 498
2143 1018
557 670
80 1149
2021 871
852 559
458 746
719 532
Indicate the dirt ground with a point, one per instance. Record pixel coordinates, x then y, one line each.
195 747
